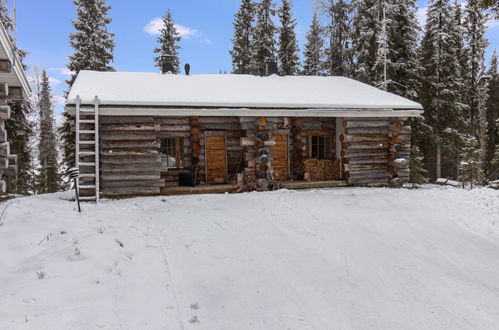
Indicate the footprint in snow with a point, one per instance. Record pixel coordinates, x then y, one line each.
195 306
194 319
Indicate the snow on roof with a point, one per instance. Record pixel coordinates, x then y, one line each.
240 91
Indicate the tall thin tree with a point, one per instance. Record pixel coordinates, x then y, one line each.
48 181
93 47
264 43
339 53
288 44
241 52
313 53
168 43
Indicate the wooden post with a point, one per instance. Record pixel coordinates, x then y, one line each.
97 149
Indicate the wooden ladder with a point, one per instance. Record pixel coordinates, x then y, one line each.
87 150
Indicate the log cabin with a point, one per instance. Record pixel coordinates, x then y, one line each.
156 133
14 90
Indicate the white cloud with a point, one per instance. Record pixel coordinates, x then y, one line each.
54 81
62 71
58 99
156 24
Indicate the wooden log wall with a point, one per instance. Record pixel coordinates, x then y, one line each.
8 162
129 155
369 149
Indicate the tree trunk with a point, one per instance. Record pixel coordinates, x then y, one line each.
439 160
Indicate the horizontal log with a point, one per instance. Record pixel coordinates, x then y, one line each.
110 136
4 112
358 167
163 135
221 120
365 123
3 136
175 128
128 127
152 175
10 171
221 126
369 173
4 149
112 168
371 130
4 163
364 153
133 183
126 120
3 186
367 160
366 138
131 160
366 145
131 191
129 152
130 144
172 121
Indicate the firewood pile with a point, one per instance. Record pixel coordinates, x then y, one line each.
321 170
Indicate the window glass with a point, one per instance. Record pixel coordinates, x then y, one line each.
321 147
172 151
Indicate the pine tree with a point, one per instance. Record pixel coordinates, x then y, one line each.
93 47
493 118
475 23
462 55
4 16
264 44
242 41
338 55
47 143
366 26
313 53
288 44
168 43
441 83
403 39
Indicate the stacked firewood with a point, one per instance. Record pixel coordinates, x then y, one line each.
321 170
298 148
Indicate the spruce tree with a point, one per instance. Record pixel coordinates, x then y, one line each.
48 181
288 44
241 42
4 15
338 54
493 118
366 26
403 42
462 55
475 23
313 53
264 44
168 43
441 84
93 47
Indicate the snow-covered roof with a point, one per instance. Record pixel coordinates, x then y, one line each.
227 91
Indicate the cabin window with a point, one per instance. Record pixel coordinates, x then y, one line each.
320 146
172 152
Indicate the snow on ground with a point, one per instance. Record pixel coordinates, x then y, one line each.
345 258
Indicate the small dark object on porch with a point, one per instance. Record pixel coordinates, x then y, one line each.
262 136
187 179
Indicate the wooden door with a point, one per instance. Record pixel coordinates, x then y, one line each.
216 157
280 154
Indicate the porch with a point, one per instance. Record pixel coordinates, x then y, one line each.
230 188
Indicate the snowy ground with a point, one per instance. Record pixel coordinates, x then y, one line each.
346 258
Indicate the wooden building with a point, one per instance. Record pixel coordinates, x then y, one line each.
137 132
14 88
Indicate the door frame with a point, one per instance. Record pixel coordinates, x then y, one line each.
215 133
288 144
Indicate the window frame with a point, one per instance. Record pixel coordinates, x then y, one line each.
178 145
329 135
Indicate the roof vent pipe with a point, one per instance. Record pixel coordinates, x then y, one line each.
187 68
271 67
167 64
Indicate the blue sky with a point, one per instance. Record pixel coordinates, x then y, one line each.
43 28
